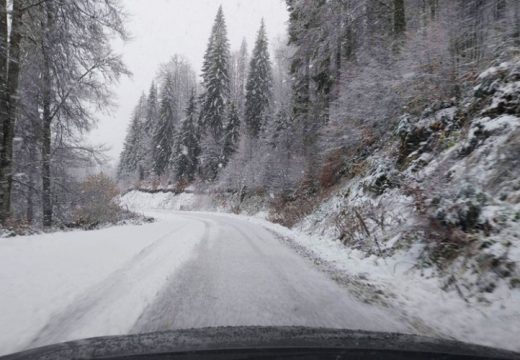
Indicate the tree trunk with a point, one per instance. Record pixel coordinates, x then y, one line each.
500 9
3 86
47 122
516 30
3 59
29 214
46 173
399 18
309 125
8 116
434 5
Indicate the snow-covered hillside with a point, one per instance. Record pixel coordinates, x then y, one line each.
434 217
450 185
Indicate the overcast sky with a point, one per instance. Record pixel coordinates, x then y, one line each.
162 28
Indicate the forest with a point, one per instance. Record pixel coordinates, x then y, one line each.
295 118
289 120
57 66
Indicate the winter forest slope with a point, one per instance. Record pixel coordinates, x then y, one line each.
376 111
390 131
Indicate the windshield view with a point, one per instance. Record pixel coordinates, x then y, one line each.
259 179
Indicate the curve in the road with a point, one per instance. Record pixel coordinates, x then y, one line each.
243 275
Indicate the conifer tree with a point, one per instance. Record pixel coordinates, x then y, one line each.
187 145
232 133
152 111
216 82
134 150
215 75
164 136
211 159
127 163
259 85
150 120
239 77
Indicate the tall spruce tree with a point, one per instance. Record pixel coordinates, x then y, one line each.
134 150
215 75
259 84
187 145
152 111
151 119
216 82
239 77
165 132
232 133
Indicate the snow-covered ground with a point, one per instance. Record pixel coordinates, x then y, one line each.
418 295
202 269
80 284
400 286
141 201
186 270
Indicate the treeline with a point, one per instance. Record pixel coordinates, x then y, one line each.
334 91
56 66
221 131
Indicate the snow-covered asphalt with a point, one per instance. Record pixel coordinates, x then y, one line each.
186 270
242 274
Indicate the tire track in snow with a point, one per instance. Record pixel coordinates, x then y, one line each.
160 314
85 306
245 276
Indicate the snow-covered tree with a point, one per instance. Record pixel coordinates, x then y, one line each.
151 119
165 132
211 158
184 78
214 101
187 148
231 133
70 43
259 85
240 62
215 75
134 155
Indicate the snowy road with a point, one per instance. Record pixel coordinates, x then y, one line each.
243 275
186 270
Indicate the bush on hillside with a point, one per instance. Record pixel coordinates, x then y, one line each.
98 203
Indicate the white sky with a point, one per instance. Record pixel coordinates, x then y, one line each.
162 28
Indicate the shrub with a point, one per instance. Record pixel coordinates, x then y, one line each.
332 170
97 204
367 226
463 211
16 227
289 209
446 242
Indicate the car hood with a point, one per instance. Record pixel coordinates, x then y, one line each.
245 339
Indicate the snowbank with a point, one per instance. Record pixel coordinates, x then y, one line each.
139 201
418 294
